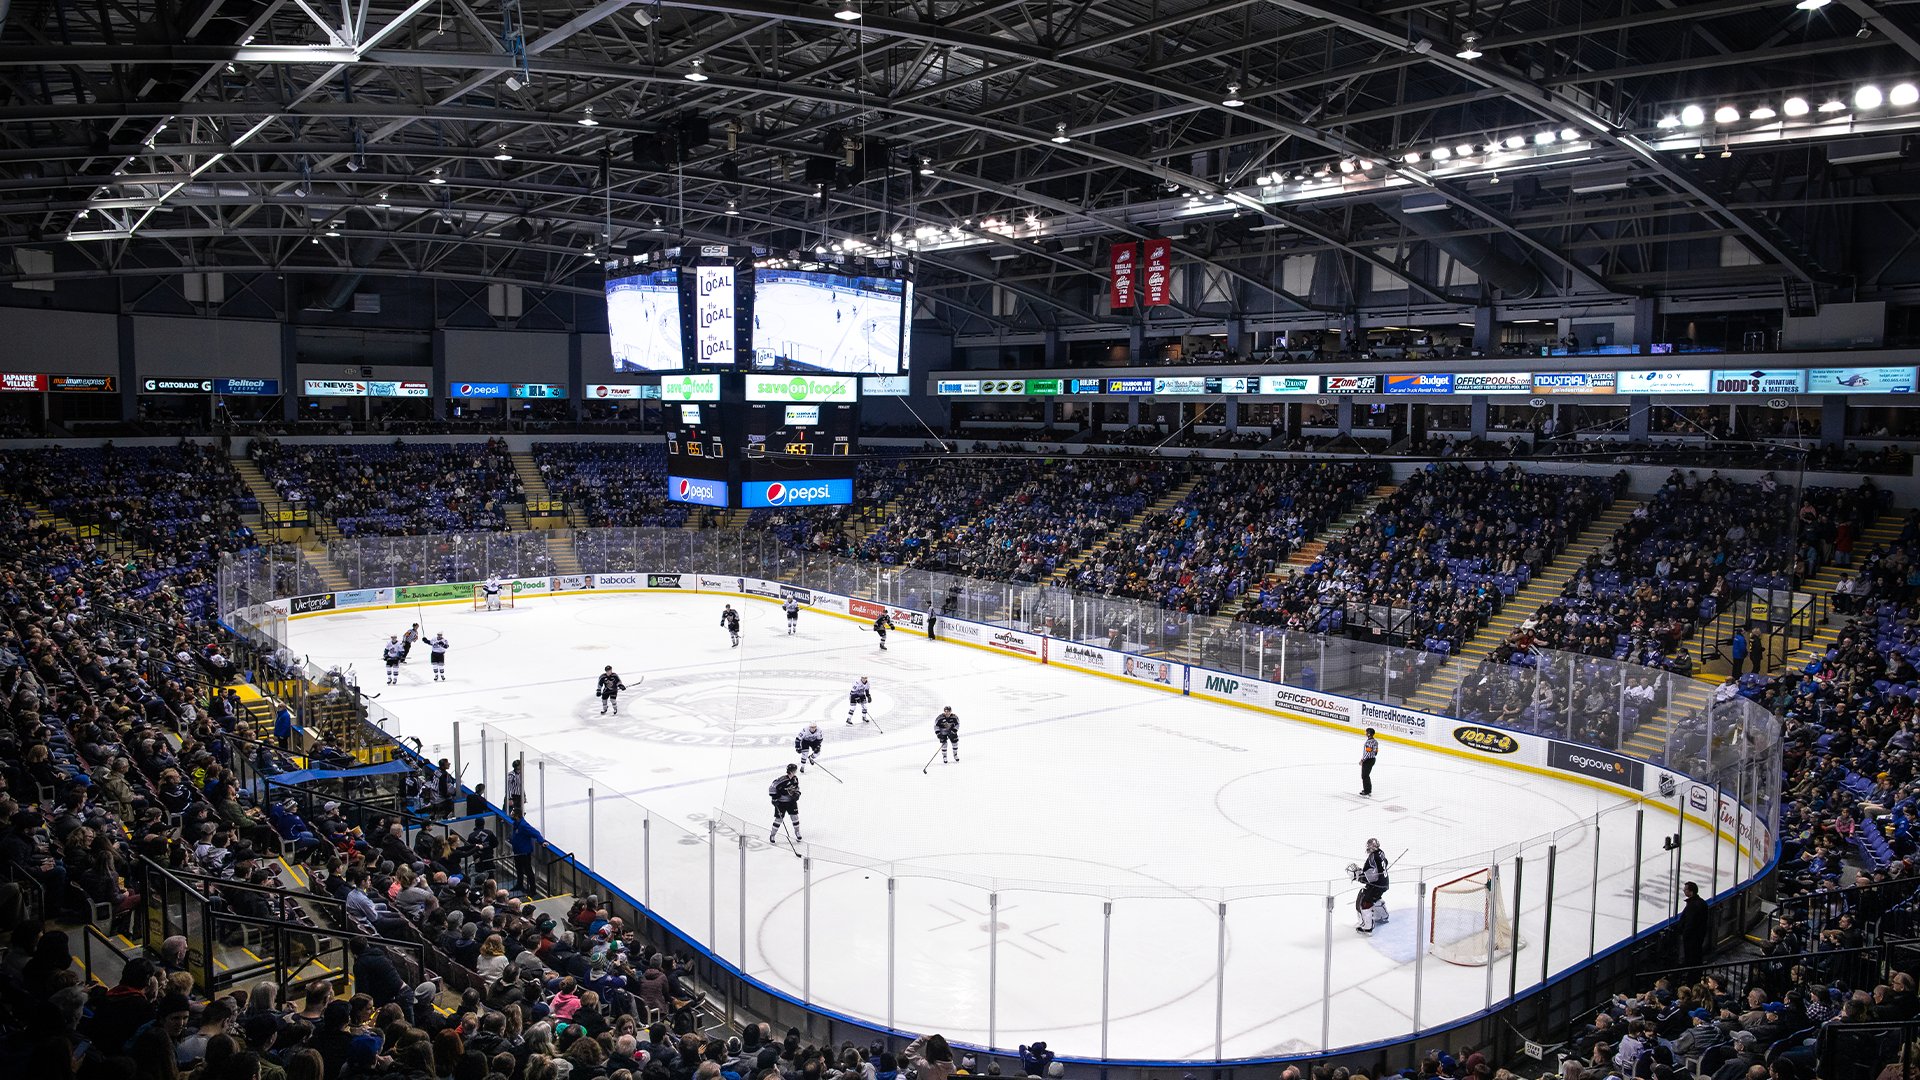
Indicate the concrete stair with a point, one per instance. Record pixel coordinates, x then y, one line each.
1161 505
1305 555
1650 738
269 499
1882 532
528 471
1436 694
566 559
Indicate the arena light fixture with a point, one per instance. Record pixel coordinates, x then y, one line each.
696 75
1441 153
1464 150
1763 112
1692 116
1346 165
1060 133
733 208
1903 95
1544 138
1667 122
926 166
1469 46
1796 107
586 118
847 12
502 154
1811 5
1868 97
1726 114
1569 135
1515 142
1232 100
436 179
1412 157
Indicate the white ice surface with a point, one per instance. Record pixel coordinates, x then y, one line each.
1073 789
798 321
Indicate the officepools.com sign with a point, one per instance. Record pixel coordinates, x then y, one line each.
797 493
688 489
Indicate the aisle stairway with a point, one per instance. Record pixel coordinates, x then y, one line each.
1126 531
1650 738
1436 694
1305 555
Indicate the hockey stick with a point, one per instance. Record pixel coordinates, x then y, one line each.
829 772
876 723
789 835
929 764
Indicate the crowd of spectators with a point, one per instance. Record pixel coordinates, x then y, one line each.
1233 530
396 489
1434 560
179 504
610 484
1687 555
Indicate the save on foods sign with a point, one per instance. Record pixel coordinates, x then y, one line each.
801 388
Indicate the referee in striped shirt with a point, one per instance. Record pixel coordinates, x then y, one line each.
1369 752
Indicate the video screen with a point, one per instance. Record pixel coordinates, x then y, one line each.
643 321
803 415
810 321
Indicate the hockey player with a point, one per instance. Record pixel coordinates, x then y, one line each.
785 793
1372 876
730 619
880 627
408 640
491 591
792 608
609 691
859 696
946 728
437 656
807 745
392 654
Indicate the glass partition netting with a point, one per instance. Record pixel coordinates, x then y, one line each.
1027 951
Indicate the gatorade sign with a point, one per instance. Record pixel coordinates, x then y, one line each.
796 493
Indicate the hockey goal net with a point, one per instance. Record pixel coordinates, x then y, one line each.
502 599
1463 911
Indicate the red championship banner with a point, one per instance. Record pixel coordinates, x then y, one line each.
1158 283
1125 262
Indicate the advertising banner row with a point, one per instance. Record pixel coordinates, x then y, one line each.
1725 382
1535 753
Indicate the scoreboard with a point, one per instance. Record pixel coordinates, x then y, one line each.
798 431
697 458
759 454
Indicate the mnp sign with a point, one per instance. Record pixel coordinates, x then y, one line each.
690 489
796 493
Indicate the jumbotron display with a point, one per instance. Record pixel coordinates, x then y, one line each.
643 321
806 320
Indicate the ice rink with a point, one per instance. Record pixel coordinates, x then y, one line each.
1075 792
644 324
842 329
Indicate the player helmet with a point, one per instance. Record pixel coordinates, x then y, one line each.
1372 844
